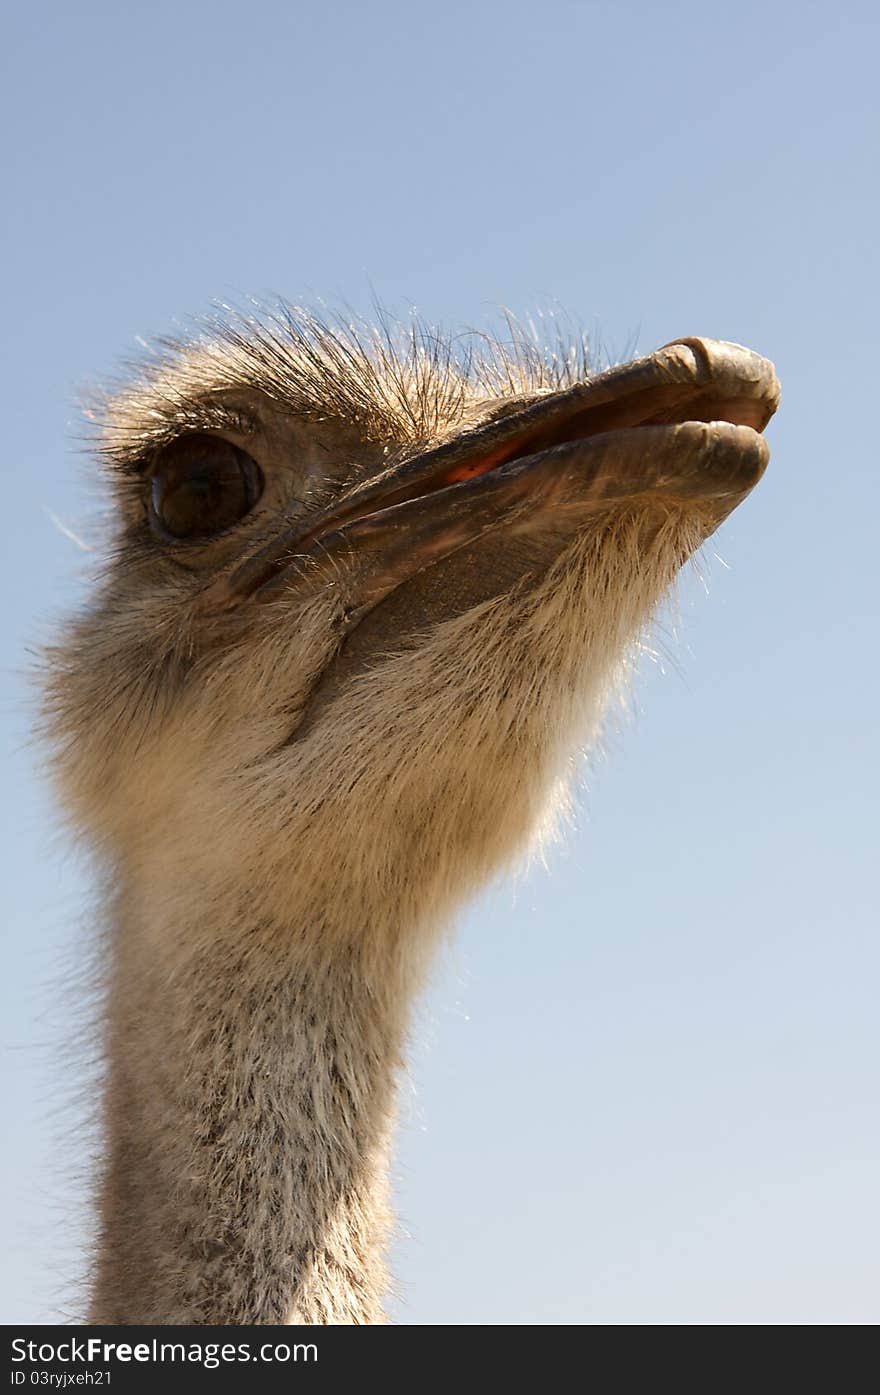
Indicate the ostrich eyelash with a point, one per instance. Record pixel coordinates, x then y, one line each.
132 459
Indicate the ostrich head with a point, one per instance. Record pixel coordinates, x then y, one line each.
361 602
361 606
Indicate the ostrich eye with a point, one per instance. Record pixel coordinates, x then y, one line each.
201 485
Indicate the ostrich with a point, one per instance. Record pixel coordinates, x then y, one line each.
364 601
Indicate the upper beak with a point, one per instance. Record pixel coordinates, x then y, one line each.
680 425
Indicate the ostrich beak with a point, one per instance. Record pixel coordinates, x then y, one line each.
681 425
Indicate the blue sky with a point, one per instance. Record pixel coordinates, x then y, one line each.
643 1082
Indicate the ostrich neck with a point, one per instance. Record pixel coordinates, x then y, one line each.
248 1106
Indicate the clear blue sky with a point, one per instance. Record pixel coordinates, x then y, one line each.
644 1083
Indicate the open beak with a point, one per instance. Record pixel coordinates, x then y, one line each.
681 425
